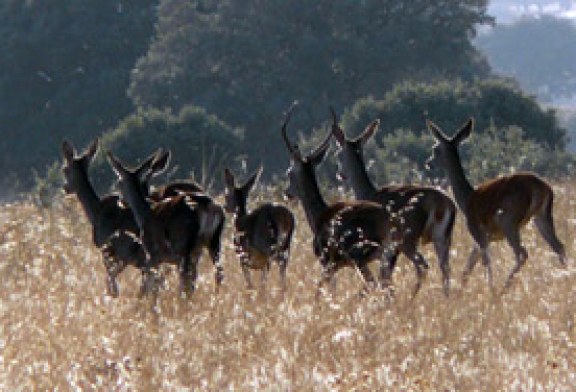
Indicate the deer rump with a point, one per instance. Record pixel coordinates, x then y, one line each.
263 220
175 227
363 237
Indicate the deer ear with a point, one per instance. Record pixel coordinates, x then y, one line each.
252 180
229 178
464 132
435 131
68 150
160 163
336 130
115 164
319 153
155 164
369 131
92 150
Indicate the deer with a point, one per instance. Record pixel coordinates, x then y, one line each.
114 230
432 213
170 230
260 235
496 209
345 233
210 236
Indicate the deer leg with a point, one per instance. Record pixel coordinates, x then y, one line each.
387 265
487 267
148 281
545 225
421 269
472 260
282 264
245 265
442 247
214 250
513 238
368 279
188 269
152 261
114 267
112 286
264 275
328 271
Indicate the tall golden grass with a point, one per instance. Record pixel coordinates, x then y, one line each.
59 330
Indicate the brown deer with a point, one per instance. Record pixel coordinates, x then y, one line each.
170 230
349 234
114 229
498 208
432 213
210 235
260 235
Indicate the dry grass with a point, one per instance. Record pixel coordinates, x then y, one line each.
60 331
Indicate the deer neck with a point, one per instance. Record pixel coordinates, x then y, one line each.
140 207
461 187
312 200
360 182
88 198
240 212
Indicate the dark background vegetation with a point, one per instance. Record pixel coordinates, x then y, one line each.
211 79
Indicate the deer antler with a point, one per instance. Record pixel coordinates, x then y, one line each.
291 148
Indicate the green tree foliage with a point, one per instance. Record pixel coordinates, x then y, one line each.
64 70
539 52
200 143
491 102
567 118
247 61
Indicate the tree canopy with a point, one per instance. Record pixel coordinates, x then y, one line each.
492 103
539 52
64 71
217 75
247 61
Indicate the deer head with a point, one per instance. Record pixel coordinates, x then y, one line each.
445 151
351 151
236 196
134 178
301 169
75 166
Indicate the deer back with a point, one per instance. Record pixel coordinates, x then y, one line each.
519 195
267 228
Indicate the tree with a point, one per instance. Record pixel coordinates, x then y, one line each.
491 102
539 52
247 61
200 144
64 72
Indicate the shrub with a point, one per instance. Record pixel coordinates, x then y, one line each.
400 157
200 143
493 102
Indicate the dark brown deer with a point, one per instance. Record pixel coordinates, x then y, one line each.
261 235
171 229
496 209
346 234
211 233
432 213
114 229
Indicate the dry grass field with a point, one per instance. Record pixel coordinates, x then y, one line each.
60 331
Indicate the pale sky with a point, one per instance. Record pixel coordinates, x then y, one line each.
508 10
